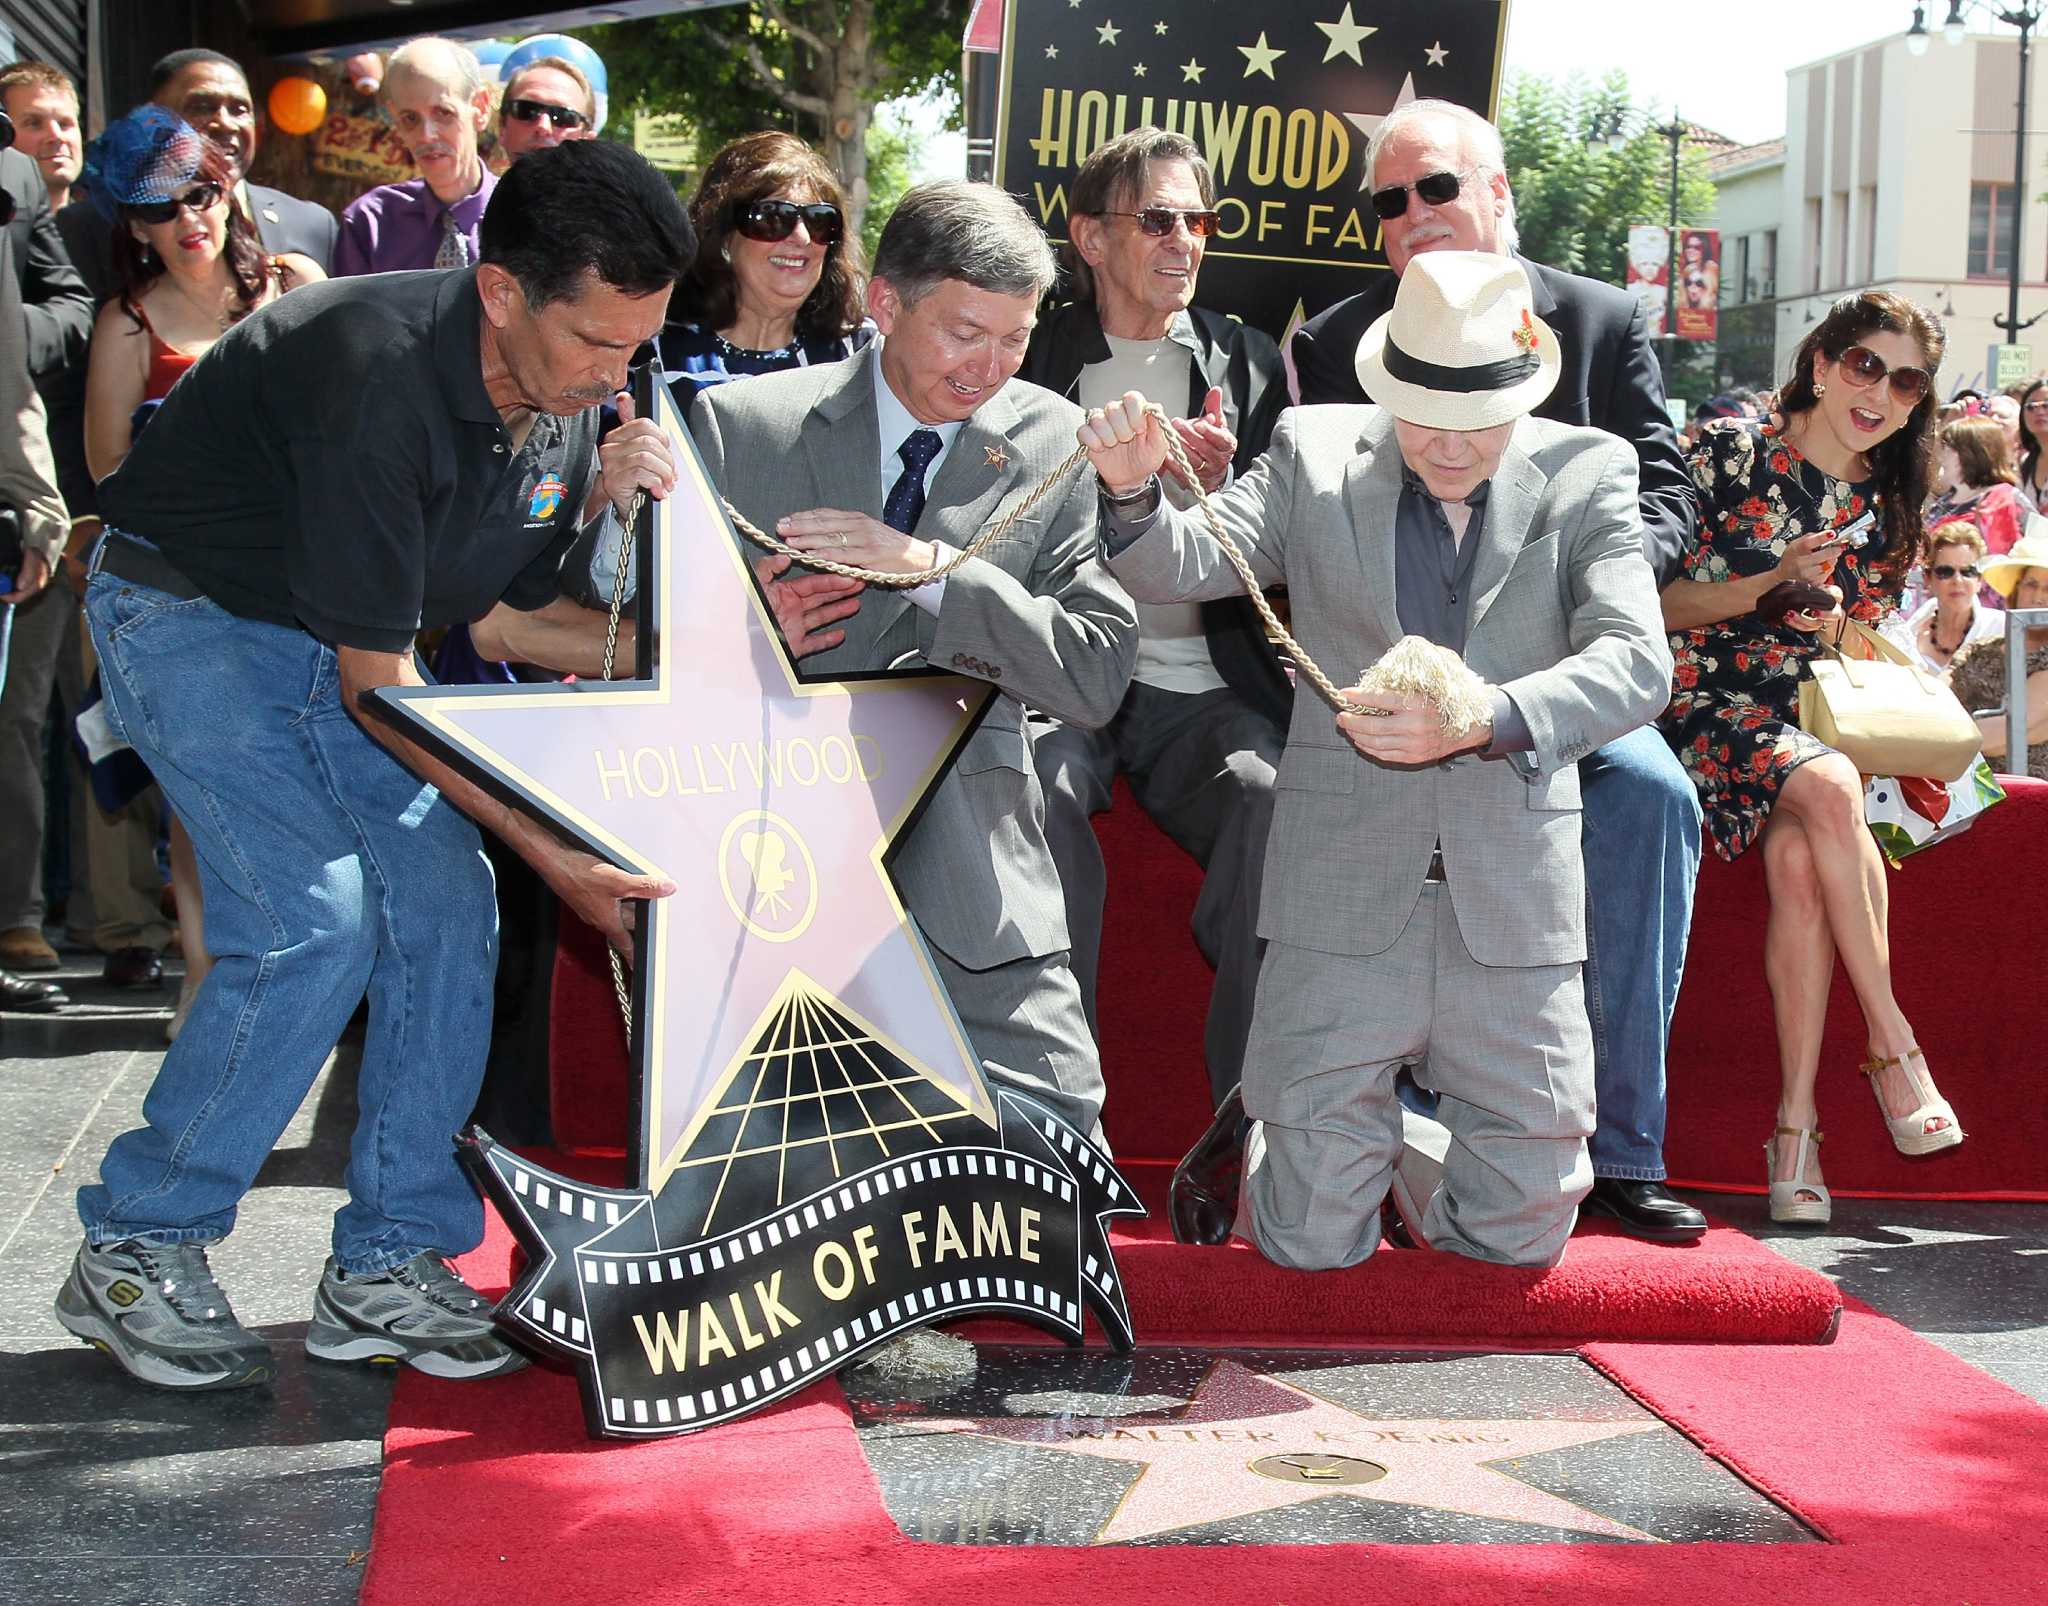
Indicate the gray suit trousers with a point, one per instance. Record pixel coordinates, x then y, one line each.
1201 766
1508 1049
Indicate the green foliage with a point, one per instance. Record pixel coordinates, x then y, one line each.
687 63
1574 197
894 151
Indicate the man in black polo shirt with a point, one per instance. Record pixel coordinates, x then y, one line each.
362 460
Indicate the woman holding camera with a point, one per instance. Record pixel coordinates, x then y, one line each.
1805 518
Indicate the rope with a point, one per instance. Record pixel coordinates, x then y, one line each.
1001 527
989 536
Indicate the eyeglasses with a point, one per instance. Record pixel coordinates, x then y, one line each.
532 111
1948 571
200 198
1862 367
1158 221
2036 407
777 220
1436 189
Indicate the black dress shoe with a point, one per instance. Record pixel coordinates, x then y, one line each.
1393 1229
134 967
1202 1204
1644 1209
30 997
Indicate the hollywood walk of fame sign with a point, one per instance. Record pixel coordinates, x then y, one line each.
820 1164
1281 99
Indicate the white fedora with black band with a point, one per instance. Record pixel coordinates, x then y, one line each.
1462 348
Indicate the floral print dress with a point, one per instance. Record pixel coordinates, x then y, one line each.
1733 719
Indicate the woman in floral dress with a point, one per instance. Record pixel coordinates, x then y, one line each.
1849 446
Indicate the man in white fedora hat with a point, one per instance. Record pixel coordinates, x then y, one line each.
1425 896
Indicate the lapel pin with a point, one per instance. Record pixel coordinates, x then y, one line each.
270 214
997 457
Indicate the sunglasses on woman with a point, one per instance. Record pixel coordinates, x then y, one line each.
200 198
1948 571
532 111
770 221
1436 189
1158 221
1862 367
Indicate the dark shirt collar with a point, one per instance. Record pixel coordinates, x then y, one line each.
1412 482
467 211
458 348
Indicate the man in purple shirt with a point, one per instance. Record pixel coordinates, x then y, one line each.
435 91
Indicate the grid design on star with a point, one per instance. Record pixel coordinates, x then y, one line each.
817 1098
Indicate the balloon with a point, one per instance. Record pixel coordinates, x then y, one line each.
575 52
488 52
365 72
297 105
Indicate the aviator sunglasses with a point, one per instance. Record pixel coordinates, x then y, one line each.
1436 189
776 220
1948 571
1862 367
1158 221
532 111
199 198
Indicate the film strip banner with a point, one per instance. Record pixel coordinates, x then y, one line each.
669 1332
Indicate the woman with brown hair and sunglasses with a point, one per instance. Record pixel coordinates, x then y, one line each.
190 267
1825 494
777 280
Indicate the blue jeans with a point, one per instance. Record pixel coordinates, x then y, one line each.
329 870
1642 847
1641 840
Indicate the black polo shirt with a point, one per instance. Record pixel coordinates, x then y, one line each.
334 463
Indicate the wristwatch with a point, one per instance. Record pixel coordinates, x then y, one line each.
1128 499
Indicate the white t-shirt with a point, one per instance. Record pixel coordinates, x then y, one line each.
1173 652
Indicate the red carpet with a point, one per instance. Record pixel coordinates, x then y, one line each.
1923 1472
1949 927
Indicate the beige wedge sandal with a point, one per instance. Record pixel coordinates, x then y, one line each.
1909 1131
1786 1205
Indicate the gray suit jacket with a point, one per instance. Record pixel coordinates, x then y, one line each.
1037 616
1564 619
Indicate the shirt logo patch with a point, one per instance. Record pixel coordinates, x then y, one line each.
546 499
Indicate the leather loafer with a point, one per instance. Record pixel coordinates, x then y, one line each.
1644 1209
1202 1203
134 967
30 997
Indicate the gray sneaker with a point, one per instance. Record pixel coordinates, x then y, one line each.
157 1310
420 1313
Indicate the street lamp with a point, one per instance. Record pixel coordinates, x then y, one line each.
2024 15
1606 128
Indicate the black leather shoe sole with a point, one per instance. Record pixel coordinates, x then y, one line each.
1671 1226
1202 1203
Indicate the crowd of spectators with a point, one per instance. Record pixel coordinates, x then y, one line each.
127 260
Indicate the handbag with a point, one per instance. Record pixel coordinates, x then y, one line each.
1870 702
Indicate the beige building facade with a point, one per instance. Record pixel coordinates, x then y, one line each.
1896 171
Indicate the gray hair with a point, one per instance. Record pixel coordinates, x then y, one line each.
568 69
448 62
1115 176
1480 139
956 229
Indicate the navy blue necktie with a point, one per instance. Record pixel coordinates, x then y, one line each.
906 496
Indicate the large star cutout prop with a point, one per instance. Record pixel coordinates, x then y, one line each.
1247 1443
1345 36
1368 123
771 802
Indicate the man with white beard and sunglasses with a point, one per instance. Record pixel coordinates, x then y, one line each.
1439 183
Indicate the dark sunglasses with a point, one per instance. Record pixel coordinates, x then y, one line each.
1948 571
199 198
1437 189
1862 366
532 111
1158 221
777 220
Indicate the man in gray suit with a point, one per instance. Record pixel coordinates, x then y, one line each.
1424 891
892 460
